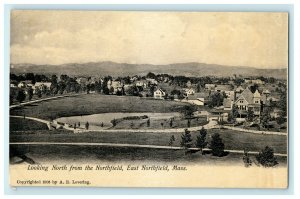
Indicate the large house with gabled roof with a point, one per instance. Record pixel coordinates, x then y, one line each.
249 101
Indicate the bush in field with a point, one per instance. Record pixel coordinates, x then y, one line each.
266 157
217 146
148 122
246 159
172 139
114 122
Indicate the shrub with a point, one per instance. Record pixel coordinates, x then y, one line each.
217 146
266 157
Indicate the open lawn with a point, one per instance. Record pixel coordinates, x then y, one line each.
93 104
95 155
20 124
160 123
232 139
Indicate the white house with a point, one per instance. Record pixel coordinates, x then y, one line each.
141 84
159 94
209 86
189 91
254 81
42 86
116 85
249 101
152 81
23 84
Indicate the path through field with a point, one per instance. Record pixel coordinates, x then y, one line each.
131 145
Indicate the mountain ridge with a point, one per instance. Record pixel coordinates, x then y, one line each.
124 69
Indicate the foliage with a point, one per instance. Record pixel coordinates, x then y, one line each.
133 90
233 114
201 139
114 122
21 96
282 104
151 75
189 123
250 115
265 118
87 125
172 139
216 99
30 93
253 88
188 110
38 92
246 159
171 122
266 157
186 139
281 119
217 146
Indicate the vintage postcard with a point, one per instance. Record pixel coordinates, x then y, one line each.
148 99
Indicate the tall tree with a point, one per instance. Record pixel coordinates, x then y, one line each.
233 114
151 75
246 159
38 92
250 115
172 139
216 99
188 110
201 139
253 88
283 102
30 93
217 146
186 139
265 118
98 86
21 96
30 76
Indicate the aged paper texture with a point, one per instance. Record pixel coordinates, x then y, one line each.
148 99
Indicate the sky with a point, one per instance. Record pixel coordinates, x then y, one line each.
257 40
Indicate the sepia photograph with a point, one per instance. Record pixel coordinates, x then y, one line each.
148 99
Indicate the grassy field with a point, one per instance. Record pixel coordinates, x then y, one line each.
30 131
95 103
160 123
232 139
95 155
20 124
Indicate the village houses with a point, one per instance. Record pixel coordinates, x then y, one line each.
159 94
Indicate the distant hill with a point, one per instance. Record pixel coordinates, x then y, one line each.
123 69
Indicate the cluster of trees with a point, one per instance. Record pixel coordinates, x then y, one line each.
216 144
265 157
216 99
30 76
